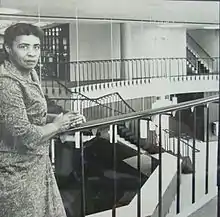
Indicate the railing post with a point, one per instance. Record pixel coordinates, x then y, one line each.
53 158
139 172
178 165
113 140
160 170
193 154
83 192
207 151
218 158
178 70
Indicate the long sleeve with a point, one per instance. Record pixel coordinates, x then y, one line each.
15 124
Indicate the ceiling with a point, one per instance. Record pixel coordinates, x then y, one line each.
187 12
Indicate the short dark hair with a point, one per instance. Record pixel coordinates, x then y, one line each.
19 29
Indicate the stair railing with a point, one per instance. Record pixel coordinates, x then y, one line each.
197 48
108 105
160 209
171 144
101 107
200 53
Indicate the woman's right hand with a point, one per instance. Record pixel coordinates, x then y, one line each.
63 121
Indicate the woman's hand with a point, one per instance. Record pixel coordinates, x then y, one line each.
65 121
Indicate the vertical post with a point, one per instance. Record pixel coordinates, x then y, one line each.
141 68
178 165
160 169
149 70
95 73
113 140
170 68
193 155
87 72
83 193
178 69
53 154
207 151
132 71
136 73
139 172
218 156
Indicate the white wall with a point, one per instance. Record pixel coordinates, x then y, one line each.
95 41
155 42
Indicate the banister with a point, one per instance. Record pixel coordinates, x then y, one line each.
95 99
142 114
183 141
131 59
104 106
200 47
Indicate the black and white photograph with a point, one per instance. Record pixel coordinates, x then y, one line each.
109 108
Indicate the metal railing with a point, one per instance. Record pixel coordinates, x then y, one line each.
112 122
106 71
193 44
109 104
201 65
186 148
106 106
103 107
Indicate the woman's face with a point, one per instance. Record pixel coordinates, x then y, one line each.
24 52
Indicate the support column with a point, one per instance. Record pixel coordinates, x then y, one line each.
126 50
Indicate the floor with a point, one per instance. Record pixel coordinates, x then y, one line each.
209 210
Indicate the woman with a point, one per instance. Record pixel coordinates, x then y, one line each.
27 185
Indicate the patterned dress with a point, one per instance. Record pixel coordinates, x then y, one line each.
27 184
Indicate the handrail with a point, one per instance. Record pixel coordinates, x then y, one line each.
116 93
193 57
142 114
183 141
165 130
129 59
105 106
111 94
194 61
200 47
95 99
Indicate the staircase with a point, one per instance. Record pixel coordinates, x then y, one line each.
96 108
196 65
107 106
198 60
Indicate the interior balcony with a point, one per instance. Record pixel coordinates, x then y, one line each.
135 77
